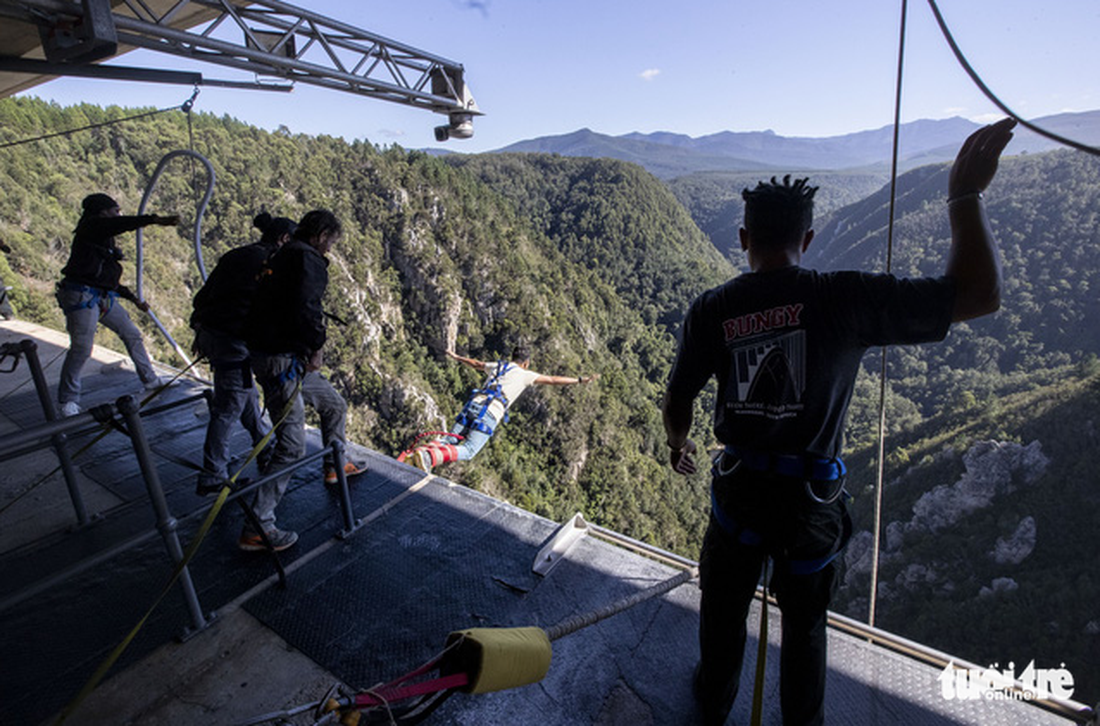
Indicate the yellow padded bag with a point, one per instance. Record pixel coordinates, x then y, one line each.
497 658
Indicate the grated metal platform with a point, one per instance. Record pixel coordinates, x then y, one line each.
434 557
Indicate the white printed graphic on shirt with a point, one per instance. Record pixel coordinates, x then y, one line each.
768 375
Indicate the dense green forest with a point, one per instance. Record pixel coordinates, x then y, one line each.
714 198
591 263
432 257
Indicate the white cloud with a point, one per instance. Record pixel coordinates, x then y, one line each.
649 74
987 118
391 133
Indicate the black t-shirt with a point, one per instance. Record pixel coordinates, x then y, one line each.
785 346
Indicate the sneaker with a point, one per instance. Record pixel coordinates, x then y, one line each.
350 469
70 408
155 383
279 539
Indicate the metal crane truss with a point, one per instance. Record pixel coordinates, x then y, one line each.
286 42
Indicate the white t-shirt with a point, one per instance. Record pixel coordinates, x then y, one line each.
513 382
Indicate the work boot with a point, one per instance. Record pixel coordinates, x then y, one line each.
280 540
350 469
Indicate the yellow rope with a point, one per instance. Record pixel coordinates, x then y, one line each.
200 535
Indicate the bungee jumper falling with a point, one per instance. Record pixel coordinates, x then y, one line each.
485 409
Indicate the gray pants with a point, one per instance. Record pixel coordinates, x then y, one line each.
234 398
318 394
278 375
84 309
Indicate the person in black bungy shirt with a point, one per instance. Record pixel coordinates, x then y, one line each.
785 345
88 291
285 331
221 308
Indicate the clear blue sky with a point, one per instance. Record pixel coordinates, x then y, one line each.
797 67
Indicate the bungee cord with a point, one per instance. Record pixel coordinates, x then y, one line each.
993 97
881 452
881 455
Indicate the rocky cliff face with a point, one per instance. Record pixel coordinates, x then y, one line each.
992 470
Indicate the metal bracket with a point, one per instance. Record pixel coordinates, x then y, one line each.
559 545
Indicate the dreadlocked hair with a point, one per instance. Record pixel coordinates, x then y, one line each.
778 214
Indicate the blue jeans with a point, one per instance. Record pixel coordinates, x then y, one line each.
84 310
318 394
234 398
474 440
280 391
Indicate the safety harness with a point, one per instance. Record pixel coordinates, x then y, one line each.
492 391
812 470
96 295
293 372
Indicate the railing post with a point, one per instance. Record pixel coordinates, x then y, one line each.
166 523
350 525
30 352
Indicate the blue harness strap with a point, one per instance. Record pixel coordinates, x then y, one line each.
296 370
96 295
491 391
806 468
814 468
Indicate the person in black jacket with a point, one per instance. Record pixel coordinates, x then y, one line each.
221 308
285 332
88 290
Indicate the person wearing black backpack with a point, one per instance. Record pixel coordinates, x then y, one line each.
220 310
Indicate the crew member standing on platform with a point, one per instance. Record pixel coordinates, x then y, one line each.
221 307
88 291
285 334
785 344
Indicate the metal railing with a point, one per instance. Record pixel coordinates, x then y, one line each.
55 432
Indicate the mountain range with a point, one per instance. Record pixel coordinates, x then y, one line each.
670 155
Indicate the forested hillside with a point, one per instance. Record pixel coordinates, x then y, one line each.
714 199
432 257
1044 210
990 496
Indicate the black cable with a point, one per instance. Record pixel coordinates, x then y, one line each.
996 101
89 127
